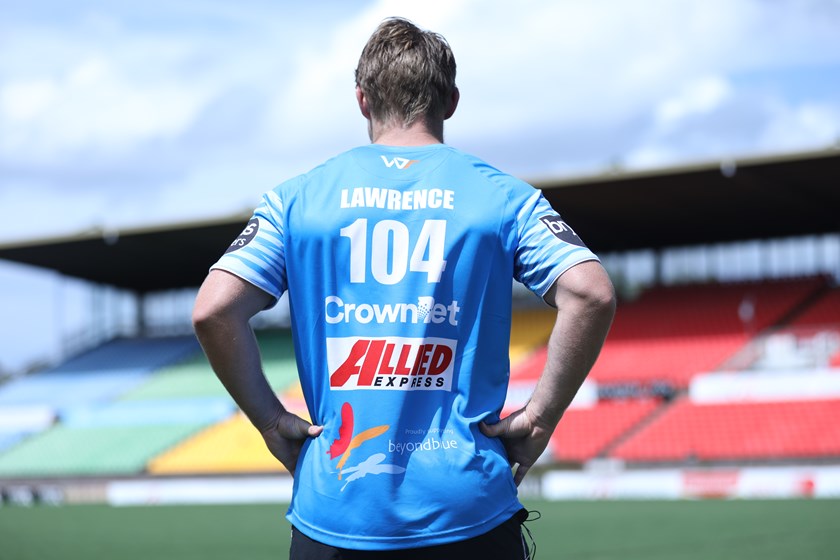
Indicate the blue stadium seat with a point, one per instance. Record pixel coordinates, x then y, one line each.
149 412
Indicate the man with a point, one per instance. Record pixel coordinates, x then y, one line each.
398 258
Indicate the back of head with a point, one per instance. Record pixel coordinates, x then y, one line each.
406 73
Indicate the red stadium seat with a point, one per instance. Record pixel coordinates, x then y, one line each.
584 433
823 312
672 333
743 431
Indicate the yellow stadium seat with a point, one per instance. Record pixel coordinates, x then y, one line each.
530 329
231 446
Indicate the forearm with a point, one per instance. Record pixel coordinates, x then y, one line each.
223 309
583 320
234 356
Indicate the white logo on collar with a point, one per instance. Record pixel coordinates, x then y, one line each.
399 162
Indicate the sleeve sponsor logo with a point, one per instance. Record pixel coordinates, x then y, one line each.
561 230
247 235
391 363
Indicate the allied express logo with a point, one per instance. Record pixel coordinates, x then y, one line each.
391 363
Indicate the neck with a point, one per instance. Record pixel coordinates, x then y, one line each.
418 133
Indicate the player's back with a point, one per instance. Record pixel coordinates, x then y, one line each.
400 263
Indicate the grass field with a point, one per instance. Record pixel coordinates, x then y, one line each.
764 530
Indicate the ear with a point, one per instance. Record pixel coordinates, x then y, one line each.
363 105
453 103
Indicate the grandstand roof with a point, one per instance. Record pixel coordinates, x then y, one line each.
739 199
731 200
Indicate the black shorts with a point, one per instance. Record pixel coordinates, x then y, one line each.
505 542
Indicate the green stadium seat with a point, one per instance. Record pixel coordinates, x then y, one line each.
67 451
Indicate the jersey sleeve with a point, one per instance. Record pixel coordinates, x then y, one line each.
258 255
547 246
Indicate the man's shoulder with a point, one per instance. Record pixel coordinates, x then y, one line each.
513 187
488 170
293 184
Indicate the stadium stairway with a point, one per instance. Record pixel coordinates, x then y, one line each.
587 433
823 310
672 333
662 407
766 431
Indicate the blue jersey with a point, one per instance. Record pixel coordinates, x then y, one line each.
399 264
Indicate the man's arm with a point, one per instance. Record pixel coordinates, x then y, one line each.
223 309
585 302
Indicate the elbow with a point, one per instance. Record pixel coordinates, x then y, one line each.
205 317
601 298
588 289
202 317
224 302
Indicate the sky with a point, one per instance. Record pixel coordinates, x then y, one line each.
123 114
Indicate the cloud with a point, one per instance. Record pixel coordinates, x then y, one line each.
794 126
180 100
92 106
637 75
316 110
699 97
117 115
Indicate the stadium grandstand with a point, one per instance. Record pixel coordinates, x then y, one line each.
720 376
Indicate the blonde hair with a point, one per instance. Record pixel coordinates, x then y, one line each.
406 73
